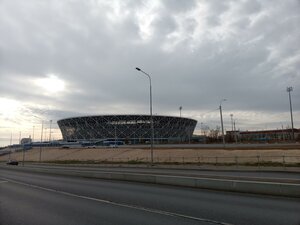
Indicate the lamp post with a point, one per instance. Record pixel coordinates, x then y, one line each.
115 135
220 107
23 159
180 108
50 132
232 135
40 158
231 115
289 89
32 134
151 118
10 139
235 134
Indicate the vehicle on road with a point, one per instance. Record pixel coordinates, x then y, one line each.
91 146
12 162
113 146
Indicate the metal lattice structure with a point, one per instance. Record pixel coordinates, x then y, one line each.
133 128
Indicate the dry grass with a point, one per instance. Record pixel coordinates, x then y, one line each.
160 155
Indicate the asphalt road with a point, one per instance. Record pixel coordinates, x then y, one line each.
284 177
30 198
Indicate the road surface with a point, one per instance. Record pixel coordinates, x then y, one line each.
272 176
30 198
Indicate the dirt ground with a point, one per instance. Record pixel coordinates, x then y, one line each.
160 155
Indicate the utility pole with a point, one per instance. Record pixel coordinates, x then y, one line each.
231 136
50 131
289 89
231 115
10 138
235 134
220 107
180 108
32 134
115 134
10 146
40 158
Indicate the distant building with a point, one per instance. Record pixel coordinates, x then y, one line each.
263 135
131 129
25 141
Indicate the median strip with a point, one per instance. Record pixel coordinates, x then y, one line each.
254 187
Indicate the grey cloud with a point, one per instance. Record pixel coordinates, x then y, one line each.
251 7
96 55
165 25
179 6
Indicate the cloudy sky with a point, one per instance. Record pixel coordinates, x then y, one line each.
64 58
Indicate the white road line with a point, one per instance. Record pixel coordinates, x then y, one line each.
3 181
201 176
166 213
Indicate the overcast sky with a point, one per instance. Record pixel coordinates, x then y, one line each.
64 58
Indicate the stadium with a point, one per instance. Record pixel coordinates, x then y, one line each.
131 129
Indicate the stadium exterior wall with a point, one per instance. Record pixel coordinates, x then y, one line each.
128 128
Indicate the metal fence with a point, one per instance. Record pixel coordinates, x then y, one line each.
216 160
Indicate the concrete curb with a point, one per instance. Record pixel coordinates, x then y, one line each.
253 187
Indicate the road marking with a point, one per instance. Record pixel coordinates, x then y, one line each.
3 181
157 211
200 177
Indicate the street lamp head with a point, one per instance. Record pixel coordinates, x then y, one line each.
224 99
288 89
137 68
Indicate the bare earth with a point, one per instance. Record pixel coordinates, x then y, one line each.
160 155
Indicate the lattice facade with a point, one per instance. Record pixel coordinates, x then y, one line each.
134 128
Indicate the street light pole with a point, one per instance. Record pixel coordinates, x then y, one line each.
10 139
180 108
32 134
231 115
289 89
50 132
151 117
40 158
223 137
235 134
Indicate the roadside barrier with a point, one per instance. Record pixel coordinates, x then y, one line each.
244 186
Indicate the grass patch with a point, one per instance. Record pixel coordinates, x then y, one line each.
137 161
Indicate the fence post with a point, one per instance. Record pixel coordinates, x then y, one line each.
236 161
283 160
216 160
199 160
258 160
183 159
